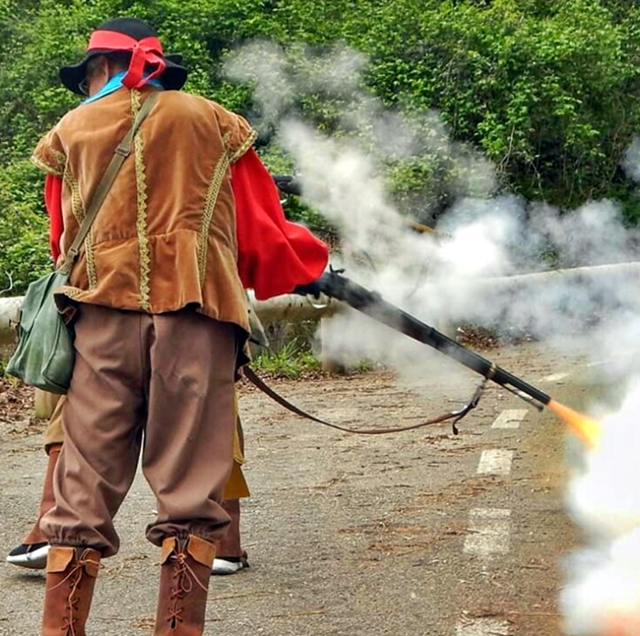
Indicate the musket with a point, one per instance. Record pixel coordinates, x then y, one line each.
334 285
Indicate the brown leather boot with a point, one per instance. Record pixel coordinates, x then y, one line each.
71 576
184 585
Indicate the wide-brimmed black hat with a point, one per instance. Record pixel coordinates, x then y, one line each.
139 38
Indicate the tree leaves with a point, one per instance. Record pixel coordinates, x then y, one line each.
548 91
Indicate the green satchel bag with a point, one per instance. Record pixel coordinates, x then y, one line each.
45 354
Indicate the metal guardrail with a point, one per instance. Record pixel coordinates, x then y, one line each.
455 294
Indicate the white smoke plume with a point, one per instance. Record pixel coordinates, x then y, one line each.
631 162
603 590
484 234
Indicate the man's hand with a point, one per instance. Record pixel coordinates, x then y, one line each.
310 289
322 285
288 184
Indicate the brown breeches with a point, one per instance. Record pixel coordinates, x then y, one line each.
236 488
163 384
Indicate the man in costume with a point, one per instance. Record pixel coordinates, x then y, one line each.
160 316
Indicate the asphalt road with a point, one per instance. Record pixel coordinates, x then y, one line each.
414 534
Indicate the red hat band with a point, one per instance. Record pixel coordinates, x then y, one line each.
145 51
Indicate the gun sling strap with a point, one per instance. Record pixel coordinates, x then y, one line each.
456 416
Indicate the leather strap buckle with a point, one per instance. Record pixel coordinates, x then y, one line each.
123 151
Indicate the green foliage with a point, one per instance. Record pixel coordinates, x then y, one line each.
23 229
290 361
421 186
547 90
366 366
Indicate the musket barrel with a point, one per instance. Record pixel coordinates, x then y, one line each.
373 305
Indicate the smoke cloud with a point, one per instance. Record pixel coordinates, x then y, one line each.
603 590
484 235
631 162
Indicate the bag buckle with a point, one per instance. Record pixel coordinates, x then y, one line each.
123 151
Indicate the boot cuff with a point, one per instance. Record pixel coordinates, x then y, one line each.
200 550
60 557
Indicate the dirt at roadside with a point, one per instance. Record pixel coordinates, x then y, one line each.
16 400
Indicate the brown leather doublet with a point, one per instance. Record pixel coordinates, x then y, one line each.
165 237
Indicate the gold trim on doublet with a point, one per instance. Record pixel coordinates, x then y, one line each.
141 216
46 167
207 213
77 208
249 141
212 197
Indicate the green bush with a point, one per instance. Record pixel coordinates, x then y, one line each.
548 91
24 242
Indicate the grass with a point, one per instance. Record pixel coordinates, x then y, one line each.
296 360
290 361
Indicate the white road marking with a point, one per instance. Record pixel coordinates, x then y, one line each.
600 363
483 627
489 530
495 462
630 354
510 418
556 377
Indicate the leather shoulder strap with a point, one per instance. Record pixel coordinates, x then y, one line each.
456 416
122 151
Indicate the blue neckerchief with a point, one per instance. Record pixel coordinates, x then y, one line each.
114 84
